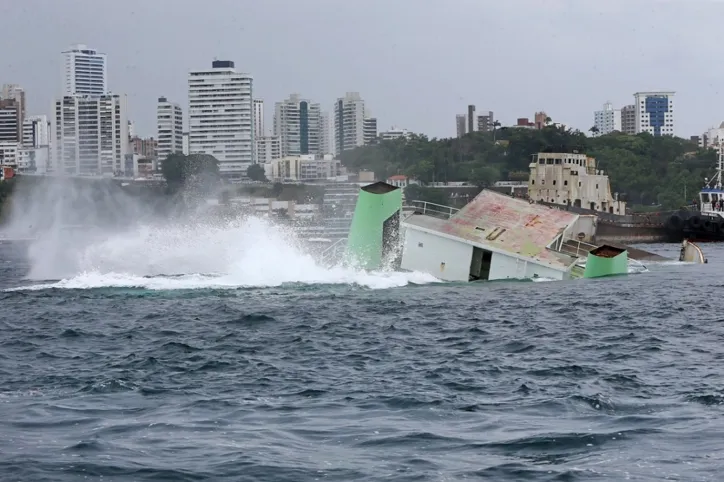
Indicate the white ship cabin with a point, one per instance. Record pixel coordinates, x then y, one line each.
573 180
493 237
711 200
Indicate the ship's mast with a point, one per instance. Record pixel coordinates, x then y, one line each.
720 166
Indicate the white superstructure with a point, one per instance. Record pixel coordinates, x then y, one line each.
572 179
221 117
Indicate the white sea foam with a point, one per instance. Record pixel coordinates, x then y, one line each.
242 254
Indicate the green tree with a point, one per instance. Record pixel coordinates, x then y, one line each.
199 172
255 172
643 169
485 176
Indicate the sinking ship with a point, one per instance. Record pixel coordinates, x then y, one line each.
493 237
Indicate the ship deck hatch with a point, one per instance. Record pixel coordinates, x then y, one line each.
480 264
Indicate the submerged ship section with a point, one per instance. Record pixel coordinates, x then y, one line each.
493 237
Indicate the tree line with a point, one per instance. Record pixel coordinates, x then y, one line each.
664 171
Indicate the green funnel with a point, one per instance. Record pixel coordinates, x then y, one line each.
606 261
374 234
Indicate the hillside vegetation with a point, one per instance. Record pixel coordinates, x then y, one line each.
643 169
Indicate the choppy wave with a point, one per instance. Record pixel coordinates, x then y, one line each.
244 254
515 381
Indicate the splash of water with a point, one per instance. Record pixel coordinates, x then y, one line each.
242 253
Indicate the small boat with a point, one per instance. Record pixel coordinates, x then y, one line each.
704 221
691 253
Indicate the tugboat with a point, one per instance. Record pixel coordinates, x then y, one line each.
705 222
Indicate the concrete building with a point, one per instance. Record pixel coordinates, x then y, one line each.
712 137
90 135
606 120
9 153
34 159
305 168
572 180
628 119
144 147
460 125
655 113
11 126
169 129
540 120
485 121
259 118
471 118
16 93
524 122
36 131
221 117
186 143
298 125
84 71
326 134
349 115
370 130
268 149
394 133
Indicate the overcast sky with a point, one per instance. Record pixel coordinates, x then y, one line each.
416 63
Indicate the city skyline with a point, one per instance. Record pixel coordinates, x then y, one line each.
393 71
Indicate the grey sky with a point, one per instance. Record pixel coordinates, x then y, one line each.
415 62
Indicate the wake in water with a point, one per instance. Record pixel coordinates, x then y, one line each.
239 254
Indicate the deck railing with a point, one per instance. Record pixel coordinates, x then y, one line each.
333 250
432 209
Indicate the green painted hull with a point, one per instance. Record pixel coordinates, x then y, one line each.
375 225
608 264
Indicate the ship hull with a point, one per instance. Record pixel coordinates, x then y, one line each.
697 227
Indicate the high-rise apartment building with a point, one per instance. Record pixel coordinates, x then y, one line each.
349 115
259 118
16 93
485 121
471 118
84 71
370 130
298 125
36 131
169 128
460 125
655 113
628 119
221 117
90 134
326 137
268 148
11 125
606 120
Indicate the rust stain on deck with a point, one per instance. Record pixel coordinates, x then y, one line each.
528 228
